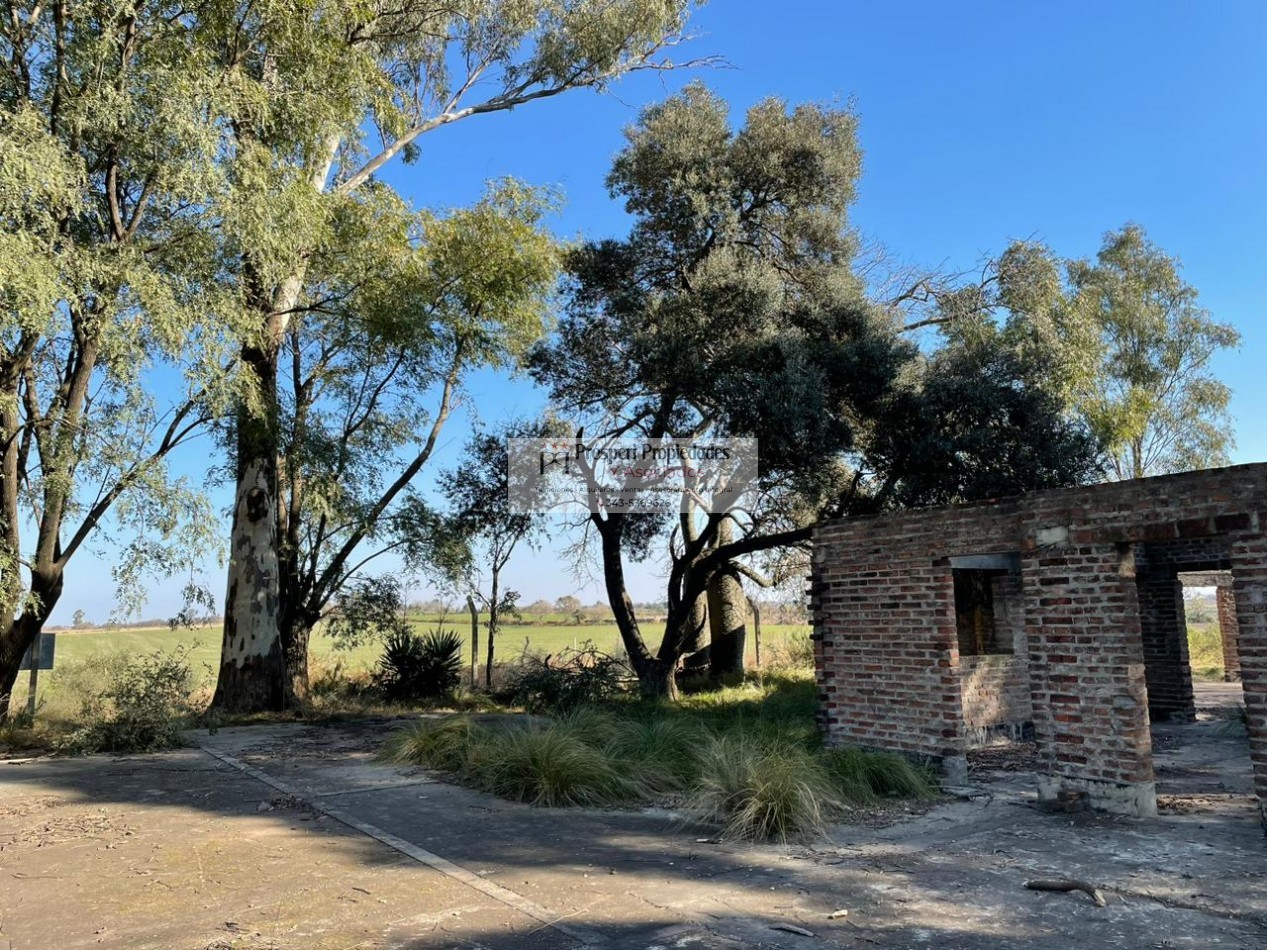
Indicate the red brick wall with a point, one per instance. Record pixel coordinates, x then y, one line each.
889 669
1228 634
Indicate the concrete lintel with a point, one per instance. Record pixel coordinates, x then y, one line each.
1205 578
1134 799
987 562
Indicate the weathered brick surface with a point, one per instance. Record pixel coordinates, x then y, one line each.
889 669
1228 633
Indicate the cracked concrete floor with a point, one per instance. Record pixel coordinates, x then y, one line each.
291 836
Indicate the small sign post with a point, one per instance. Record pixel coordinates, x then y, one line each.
39 656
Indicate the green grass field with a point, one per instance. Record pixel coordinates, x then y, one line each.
1205 650
77 649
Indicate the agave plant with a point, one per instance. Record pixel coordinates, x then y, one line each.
414 667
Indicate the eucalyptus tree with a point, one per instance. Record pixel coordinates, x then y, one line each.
1152 399
412 303
331 93
1122 340
109 164
732 309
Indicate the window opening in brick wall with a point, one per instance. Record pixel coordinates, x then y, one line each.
975 612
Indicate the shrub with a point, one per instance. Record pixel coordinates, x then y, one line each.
414 667
140 709
576 678
759 790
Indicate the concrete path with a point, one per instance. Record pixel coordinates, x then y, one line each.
291 837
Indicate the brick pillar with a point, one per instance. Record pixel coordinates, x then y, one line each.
1249 584
1087 677
1164 632
1228 632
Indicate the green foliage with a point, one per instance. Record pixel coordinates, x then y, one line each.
746 758
572 679
110 174
414 667
733 308
862 776
142 707
663 751
370 609
1153 401
795 651
1121 342
443 743
1205 649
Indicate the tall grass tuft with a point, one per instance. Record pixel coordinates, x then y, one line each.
435 743
549 767
861 777
761 791
664 752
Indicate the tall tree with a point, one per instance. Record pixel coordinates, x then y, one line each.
108 166
1122 340
315 81
411 305
731 309
1153 400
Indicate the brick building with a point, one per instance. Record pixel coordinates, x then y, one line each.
1057 612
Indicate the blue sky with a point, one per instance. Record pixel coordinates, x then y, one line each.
980 122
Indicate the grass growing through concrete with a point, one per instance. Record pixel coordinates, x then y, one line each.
746 758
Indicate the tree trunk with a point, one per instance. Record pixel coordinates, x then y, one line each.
696 636
296 635
252 672
756 628
17 636
475 640
727 617
493 613
657 678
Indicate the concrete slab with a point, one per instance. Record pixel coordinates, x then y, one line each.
188 851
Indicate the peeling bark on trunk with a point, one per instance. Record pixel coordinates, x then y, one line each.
252 672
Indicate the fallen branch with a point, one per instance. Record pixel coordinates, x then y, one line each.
1069 885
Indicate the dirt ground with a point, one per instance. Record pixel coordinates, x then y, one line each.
292 838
